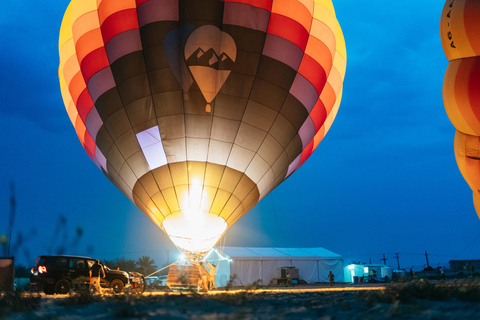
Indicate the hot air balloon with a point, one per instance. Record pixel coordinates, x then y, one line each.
197 109
460 35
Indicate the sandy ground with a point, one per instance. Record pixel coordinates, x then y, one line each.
304 302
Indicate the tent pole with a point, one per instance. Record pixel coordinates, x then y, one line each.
261 269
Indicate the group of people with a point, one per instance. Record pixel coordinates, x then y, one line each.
206 280
207 277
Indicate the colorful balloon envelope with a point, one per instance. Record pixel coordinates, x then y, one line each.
460 35
197 109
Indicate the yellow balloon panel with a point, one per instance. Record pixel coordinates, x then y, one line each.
211 196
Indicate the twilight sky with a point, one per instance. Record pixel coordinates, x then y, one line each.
383 180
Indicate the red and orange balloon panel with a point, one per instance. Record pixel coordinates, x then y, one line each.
460 35
196 110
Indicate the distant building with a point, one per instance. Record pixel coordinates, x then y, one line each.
462 264
363 272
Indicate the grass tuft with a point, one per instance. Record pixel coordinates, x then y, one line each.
18 302
468 291
79 298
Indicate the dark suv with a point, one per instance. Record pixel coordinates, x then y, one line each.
59 274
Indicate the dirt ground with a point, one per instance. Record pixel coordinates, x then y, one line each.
304 302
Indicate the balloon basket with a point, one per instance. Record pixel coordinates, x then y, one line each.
185 278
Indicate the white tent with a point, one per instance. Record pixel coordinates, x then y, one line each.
252 264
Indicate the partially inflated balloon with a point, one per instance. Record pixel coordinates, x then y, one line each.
460 35
197 109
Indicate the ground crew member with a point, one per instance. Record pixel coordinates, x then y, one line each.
212 270
203 279
95 271
331 277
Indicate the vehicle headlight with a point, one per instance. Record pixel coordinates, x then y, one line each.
126 275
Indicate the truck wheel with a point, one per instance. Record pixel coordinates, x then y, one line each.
117 285
62 286
140 286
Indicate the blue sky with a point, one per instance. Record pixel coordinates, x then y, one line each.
383 180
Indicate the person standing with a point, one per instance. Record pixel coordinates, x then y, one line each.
95 271
203 281
331 277
212 270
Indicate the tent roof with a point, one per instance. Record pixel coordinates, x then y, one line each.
254 252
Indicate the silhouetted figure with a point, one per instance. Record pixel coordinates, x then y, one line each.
95 271
331 277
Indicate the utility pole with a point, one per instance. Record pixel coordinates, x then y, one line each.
12 214
426 256
398 259
384 259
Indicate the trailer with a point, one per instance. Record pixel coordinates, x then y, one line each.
362 272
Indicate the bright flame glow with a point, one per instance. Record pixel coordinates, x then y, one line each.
193 229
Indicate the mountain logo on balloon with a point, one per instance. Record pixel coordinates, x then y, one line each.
210 56
210 59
